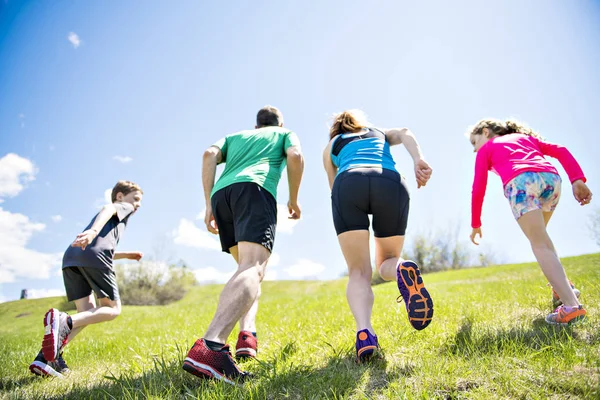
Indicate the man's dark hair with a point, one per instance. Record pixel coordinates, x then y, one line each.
269 116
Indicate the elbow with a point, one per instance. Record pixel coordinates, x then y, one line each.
404 134
294 155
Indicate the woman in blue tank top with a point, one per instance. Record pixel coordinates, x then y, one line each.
364 180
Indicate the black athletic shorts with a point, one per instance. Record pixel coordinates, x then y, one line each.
362 191
245 212
81 281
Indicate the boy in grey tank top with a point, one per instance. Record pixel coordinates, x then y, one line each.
88 269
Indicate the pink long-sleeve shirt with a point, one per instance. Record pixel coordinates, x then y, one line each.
511 155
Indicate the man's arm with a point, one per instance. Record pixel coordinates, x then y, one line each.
212 157
86 237
295 168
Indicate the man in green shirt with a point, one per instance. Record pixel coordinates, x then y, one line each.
242 209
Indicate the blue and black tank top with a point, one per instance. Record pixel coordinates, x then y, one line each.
367 148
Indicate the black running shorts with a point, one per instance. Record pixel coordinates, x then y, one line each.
81 281
362 191
245 212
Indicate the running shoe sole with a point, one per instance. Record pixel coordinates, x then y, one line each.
245 352
420 304
41 369
366 353
50 341
574 321
204 371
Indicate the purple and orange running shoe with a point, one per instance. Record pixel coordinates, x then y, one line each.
366 345
412 290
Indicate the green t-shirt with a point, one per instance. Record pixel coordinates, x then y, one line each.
257 155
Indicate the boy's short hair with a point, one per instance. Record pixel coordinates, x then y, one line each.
269 116
124 187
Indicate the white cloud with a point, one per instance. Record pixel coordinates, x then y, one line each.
74 39
270 275
212 275
41 293
274 260
16 260
123 159
56 218
305 268
188 234
284 224
15 173
106 199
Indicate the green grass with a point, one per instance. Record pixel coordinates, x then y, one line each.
488 340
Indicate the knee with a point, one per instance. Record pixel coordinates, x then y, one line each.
115 311
543 244
253 271
363 273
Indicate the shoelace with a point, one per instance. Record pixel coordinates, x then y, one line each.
62 364
63 333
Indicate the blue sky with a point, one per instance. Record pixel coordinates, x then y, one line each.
94 92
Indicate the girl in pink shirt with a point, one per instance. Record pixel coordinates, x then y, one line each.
532 186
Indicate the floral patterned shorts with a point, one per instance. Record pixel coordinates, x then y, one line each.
531 191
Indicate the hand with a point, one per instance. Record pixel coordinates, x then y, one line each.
135 255
294 210
475 232
85 238
582 192
422 172
209 220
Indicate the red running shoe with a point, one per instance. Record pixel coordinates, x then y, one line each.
246 346
206 363
41 367
56 333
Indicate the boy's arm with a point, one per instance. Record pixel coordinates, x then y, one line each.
128 255
212 157
295 168
330 168
86 237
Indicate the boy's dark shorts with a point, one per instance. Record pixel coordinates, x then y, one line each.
359 192
80 282
245 212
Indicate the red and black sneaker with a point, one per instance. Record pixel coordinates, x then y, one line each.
206 363
246 346
41 367
56 333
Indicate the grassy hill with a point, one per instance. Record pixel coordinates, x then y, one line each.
488 339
